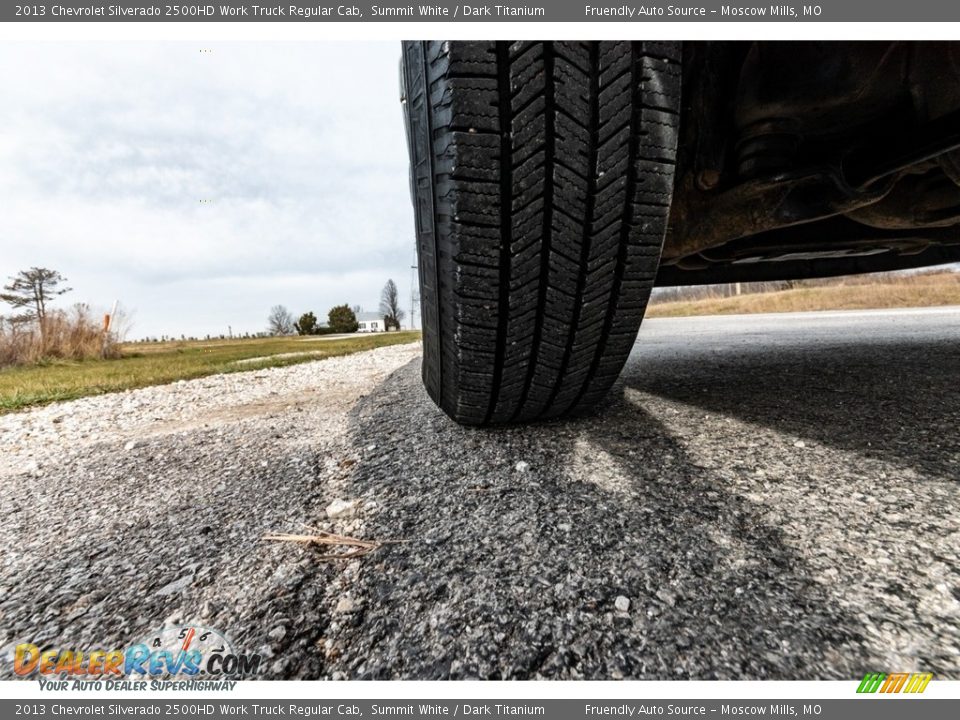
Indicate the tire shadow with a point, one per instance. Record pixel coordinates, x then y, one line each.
502 573
892 400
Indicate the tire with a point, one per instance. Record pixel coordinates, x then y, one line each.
542 174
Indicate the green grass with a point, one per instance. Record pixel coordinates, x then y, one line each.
144 364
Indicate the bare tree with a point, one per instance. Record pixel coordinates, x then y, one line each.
280 321
31 290
390 305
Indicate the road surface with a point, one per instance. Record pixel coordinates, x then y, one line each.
762 497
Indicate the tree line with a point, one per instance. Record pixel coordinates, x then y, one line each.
340 318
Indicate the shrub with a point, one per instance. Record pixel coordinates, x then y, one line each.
342 319
307 324
72 335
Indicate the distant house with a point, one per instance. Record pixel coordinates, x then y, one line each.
370 322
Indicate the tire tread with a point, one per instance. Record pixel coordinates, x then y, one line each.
542 176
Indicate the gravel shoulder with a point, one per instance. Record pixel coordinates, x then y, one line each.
762 497
131 511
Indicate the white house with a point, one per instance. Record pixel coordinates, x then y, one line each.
370 322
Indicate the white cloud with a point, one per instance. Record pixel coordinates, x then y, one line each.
106 151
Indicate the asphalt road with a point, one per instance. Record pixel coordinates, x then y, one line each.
761 497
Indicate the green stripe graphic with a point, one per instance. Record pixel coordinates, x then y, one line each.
871 682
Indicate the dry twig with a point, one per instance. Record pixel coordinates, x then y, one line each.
323 538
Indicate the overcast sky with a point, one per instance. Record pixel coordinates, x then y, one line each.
106 151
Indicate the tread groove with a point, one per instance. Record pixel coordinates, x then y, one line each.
549 151
632 152
594 124
506 191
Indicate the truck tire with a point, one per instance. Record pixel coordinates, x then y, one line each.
542 174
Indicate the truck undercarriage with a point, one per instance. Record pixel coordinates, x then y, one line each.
812 159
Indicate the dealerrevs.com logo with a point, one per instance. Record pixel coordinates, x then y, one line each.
180 658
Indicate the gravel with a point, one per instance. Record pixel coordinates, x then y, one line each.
128 512
760 498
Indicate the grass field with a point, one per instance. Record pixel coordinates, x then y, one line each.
926 290
145 364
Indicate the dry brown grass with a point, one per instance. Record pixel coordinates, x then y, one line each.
921 290
62 335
